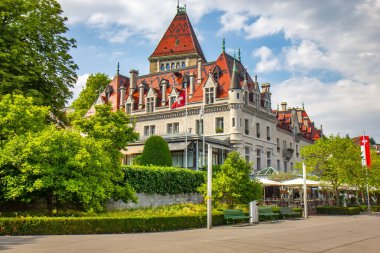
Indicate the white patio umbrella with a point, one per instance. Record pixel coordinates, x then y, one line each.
299 181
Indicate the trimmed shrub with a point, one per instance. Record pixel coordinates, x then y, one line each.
276 209
163 180
102 225
156 152
338 210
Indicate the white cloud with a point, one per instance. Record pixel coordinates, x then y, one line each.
306 55
344 107
78 87
262 27
268 62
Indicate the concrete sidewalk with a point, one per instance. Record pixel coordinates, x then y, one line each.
360 233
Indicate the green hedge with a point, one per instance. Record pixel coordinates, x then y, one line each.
102 225
276 209
364 208
163 180
338 210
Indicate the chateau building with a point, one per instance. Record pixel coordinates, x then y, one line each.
224 107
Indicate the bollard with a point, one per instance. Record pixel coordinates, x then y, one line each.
253 212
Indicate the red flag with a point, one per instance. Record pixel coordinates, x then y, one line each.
365 148
181 101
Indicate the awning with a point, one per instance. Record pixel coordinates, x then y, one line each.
177 146
299 181
133 150
217 146
266 181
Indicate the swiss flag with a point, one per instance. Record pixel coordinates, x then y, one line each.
365 148
181 101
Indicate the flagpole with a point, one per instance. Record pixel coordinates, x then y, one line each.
366 176
185 125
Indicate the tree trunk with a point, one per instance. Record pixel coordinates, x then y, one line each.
49 202
336 196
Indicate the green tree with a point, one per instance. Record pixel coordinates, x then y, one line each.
232 184
19 115
334 159
34 52
63 167
95 84
156 152
114 128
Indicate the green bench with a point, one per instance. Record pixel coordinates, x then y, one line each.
288 212
266 212
234 214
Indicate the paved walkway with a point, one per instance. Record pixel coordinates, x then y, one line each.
359 233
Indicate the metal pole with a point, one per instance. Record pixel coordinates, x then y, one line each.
209 187
185 125
197 158
304 190
366 179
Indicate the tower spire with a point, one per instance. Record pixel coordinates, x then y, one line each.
118 68
239 58
224 45
178 6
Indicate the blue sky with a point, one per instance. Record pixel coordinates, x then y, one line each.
323 53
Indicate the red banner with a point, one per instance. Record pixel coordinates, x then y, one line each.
366 153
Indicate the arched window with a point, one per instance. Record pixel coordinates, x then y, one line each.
177 65
167 66
183 64
162 67
173 65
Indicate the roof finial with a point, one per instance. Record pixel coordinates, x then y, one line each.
118 68
303 106
224 45
239 58
181 9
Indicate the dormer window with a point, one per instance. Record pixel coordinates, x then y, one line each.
209 95
128 108
150 104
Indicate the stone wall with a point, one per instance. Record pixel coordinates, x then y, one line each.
153 200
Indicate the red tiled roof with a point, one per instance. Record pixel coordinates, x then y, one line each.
308 130
179 39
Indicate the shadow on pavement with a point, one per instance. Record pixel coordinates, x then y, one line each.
8 242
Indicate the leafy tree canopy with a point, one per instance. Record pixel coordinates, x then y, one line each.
114 129
19 115
156 152
95 84
232 185
335 159
62 166
34 52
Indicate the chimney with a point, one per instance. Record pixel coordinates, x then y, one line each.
141 95
283 106
164 86
192 84
265 87
199 75
123 91
306 121
133 81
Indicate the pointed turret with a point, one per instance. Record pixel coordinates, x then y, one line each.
235 83
178 45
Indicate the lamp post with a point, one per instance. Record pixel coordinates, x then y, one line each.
209 187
